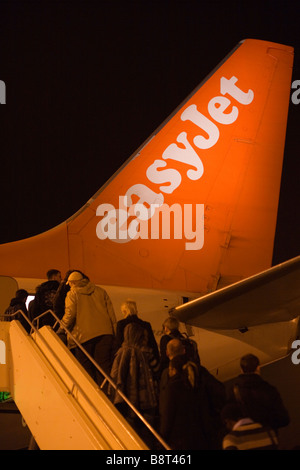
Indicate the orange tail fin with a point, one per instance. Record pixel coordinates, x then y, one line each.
199 198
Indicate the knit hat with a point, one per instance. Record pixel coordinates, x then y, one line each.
74 276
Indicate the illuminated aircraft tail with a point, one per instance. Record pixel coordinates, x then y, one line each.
195 207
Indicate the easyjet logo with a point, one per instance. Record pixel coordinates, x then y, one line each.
221 111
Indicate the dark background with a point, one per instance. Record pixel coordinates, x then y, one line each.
88 81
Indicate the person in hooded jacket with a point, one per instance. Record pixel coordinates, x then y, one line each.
18 303
90 318
61 293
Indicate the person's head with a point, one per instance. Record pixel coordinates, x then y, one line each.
175 348
54 275
65 280
75 279
170 324
129 308
249 364
231 413
22 295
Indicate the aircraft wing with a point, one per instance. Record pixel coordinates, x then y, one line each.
269 297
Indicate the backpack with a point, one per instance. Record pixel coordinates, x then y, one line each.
263 404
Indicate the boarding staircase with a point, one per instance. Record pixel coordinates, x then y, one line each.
62 406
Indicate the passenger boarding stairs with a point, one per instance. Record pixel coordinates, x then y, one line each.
60 403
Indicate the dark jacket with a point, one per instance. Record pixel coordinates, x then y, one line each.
211 398
59 299
121 324
164 360
43 301
190 346
14 306
260 400
180 423
132 373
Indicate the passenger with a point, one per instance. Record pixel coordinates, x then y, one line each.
130 313
259 400
174 348
171 331
44 298
180 423
211 396
244 433
54 275
90 317
61 293
18 303
135 378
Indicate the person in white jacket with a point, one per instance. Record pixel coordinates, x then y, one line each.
90 318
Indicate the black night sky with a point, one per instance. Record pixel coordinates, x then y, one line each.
88 81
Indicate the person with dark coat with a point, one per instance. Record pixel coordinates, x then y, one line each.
18 303
180 415
211 397
44 298
130 313
171 331
259 400
133 372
